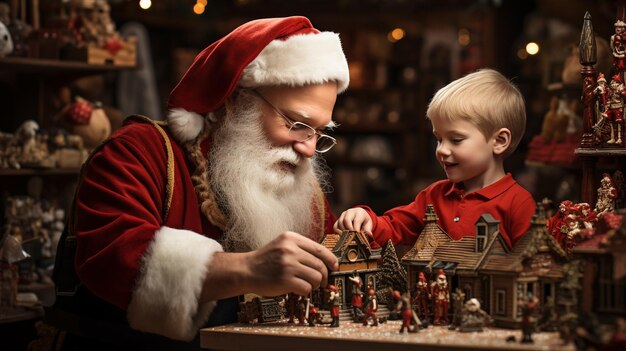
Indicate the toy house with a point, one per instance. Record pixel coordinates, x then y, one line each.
354 253
603 286
485 267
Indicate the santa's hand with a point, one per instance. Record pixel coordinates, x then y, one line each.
355 219
290 263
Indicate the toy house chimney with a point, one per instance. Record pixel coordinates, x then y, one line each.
486 227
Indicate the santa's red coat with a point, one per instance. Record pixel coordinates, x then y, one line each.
127 253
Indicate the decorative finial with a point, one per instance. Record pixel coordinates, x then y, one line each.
587 44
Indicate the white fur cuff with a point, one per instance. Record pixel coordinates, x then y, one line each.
165 300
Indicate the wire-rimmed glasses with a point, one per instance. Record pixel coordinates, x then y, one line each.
301 131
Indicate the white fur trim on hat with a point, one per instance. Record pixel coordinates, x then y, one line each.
299 60
165 299
184 125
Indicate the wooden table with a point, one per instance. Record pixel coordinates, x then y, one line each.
281 336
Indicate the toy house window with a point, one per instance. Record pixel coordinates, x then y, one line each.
611 292
352 255
501 302
481 236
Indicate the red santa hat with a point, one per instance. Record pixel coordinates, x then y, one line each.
441 273
421 276
332 288
264 52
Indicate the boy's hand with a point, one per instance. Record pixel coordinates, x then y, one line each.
355 219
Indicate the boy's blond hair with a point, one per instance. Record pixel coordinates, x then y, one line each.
486 99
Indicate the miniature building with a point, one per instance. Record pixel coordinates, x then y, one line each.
354 253
604 268
484 267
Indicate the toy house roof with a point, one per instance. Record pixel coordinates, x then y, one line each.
437 250
338 243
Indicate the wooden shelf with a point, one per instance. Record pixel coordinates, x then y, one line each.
55 67
38 172
617 152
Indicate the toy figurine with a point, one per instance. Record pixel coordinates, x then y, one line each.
529 309
458 303
371 306
556 222
606 195
615 114
602 91
441 297
292 306
618 41
422 296
407 313
334 302
587 217
357 297
302 309
312 313
474 318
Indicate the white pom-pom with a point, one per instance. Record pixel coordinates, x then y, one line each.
184 125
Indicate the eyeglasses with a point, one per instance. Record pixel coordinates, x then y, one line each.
301 131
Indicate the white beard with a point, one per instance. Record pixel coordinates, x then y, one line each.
262 200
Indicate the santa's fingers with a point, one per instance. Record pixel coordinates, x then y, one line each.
313 270
319 251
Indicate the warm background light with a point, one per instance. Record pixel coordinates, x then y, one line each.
395 35
145 4
532 48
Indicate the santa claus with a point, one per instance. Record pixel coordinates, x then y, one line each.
227 198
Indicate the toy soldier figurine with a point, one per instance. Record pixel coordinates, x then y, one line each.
474 318
528 319
422 296
292 304
302 309
602 91
618 40
615 114
357 296
370 308
606 195
312 313
458 299
404 306
335 302
441 297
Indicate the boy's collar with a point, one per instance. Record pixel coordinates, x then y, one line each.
488 192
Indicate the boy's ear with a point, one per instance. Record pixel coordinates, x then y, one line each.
501 141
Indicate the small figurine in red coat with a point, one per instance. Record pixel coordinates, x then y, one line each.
441 298
404 306
529 310
335 301
557 222
371 306
422 296
357 296
618 44
292 306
